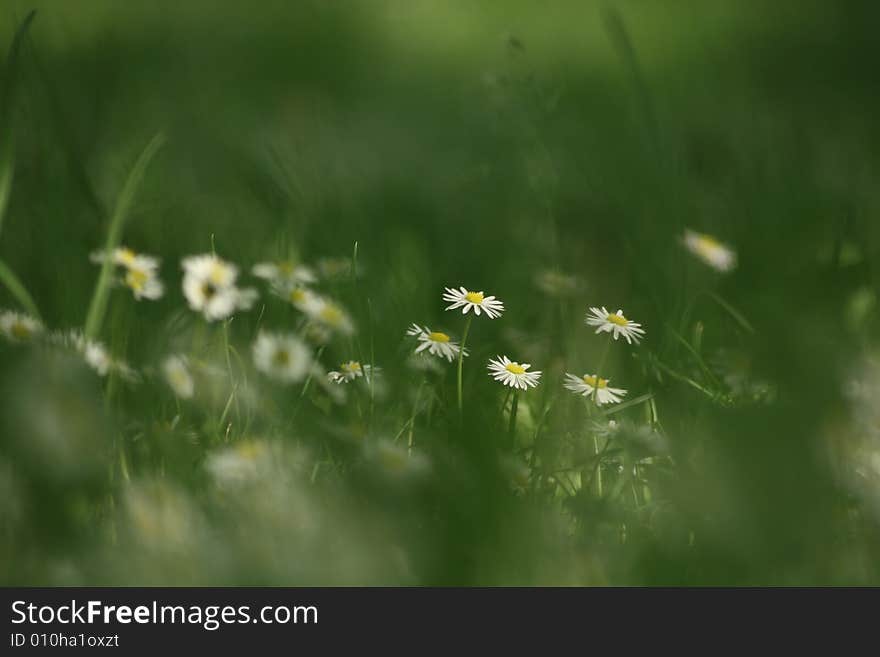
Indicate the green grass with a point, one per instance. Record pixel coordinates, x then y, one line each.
445 144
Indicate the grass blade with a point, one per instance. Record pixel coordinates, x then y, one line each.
7 167
98 305
17 289
635 401
733 312
7 133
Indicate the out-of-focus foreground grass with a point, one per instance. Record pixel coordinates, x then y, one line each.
457 143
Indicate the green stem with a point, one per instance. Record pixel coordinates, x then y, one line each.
464 337
98 305
599 369
511 427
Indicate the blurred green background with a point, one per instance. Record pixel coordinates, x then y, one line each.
458 143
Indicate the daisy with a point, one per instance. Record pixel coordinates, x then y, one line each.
615 323
282 356
513 374
350 371
299 296
588 383
436 343
712 252
18 327
121 256
329 314
284 274
95 355
477 301
177 375
141 277
209 287
141 272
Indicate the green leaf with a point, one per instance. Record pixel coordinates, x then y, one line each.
17 289
98 305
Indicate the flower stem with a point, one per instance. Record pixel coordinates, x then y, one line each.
511 427
464 337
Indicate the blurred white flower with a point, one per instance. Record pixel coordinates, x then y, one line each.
462 298
586 384
615 323
141 272
351 370
436 343
712 252
330 268
209 287
234 466
284 274
176 371
328 314
18 327
513 374
283 357
556 284
299 296
95 355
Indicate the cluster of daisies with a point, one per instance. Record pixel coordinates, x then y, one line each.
212 288
514 374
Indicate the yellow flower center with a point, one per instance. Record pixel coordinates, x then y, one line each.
125 256
707 243
20 331
331 314
298 295
591 381
620 320
281 358
179 378
218 274
436 336
249 451
515 368
136 279
474 297
351 366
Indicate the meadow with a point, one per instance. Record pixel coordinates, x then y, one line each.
242 256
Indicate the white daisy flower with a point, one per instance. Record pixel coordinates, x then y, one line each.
95 353
301 297
123 257
283 357
462 298
712 252
176 371
285 273
18 327
615 323
141 277
141 271
436 343
513 374
588 383
328 313
239 464
350 371
209 287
